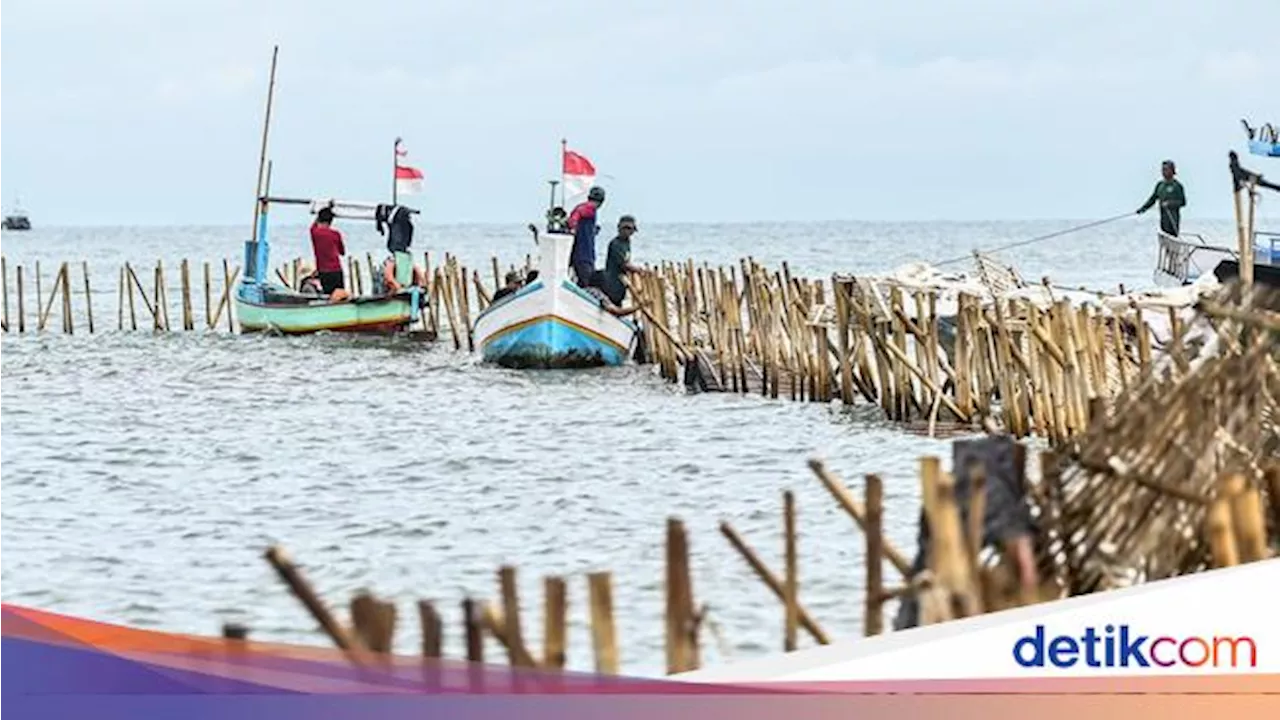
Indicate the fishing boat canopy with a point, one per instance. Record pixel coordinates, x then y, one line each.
348 209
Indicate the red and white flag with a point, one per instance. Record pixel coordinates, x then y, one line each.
579 176
408 179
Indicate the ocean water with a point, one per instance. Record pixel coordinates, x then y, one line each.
144 475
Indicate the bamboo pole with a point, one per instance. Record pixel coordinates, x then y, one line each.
517 653
681 620
4 273
554 622
302 590
1222 540
474 632
45 307
120 300
67 319
857 512
374 622
1247 519
792 587
88 294
432 643
771 581
39 299
22 315
603 635
132 279
873 614
208 297
188 316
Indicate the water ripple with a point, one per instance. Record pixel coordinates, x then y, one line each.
146 474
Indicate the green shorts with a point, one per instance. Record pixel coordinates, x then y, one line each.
404 268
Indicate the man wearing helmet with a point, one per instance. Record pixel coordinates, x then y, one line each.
582 223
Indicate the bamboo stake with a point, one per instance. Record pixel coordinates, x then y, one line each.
554 618
373 622
474 631
873 614
39 299
188 316
302 590
792 587
120 300
771 581
432 629
857 512
682 623
88 294
516 652
43 307
603 635
67 319
1222 540
22 315
4 273
1247 519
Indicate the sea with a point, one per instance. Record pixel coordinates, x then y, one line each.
145 474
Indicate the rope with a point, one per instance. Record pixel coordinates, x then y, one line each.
1041 238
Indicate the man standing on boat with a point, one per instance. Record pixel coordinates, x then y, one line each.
618 261
1169 193
582 223
327 244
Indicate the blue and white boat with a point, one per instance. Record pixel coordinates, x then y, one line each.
551 322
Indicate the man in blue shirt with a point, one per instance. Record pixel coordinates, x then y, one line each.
582 223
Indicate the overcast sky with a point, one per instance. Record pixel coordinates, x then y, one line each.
149 111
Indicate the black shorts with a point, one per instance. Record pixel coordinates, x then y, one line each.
331 281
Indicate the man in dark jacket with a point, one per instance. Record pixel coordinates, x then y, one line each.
618 262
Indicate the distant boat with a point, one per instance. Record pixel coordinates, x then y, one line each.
264 305
17 220
551 322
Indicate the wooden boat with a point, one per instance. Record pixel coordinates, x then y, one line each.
265 305
551 322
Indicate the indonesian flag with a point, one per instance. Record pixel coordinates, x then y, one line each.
408 179
579 176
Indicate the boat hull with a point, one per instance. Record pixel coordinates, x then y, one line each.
372 315
550 325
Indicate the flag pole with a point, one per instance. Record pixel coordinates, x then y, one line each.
262 153
564 149
395 166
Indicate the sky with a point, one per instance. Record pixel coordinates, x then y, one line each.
150 111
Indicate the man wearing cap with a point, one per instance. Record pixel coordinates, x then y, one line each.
618 261
1169 193
513 284
582 223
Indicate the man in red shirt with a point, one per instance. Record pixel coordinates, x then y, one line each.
329 250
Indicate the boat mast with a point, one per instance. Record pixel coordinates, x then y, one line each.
395 167
262 153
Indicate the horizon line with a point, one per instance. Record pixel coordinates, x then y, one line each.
523 224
